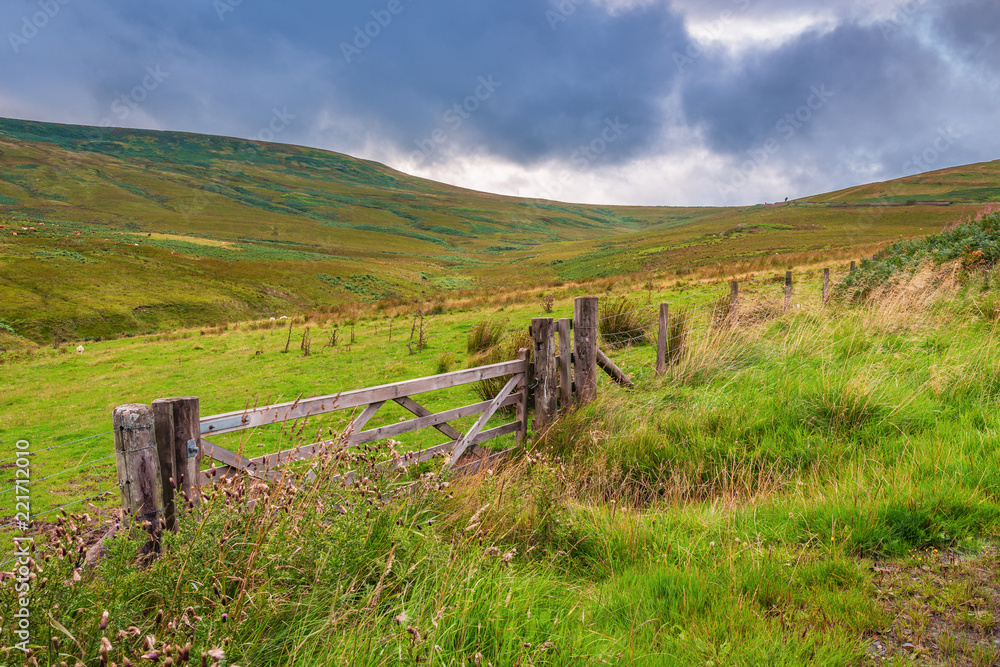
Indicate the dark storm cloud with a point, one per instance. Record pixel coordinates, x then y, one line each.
859 102
970 28
559 77
560 72
871 84
528 82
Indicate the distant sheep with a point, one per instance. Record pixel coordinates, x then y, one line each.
272 319
283 317
79 349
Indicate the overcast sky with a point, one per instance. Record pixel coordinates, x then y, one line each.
600 101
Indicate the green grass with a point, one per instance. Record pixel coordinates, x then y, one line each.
752 506
738 510
233 230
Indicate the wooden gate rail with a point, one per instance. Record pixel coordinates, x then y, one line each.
243 419
376 397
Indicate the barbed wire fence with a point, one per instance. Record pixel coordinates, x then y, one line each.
80 488
695 318
91 483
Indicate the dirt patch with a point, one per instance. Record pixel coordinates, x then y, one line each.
944 610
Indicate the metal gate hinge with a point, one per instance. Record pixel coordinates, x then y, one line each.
192 448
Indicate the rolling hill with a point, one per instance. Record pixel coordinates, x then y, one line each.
105 231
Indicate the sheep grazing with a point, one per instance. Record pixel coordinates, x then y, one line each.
272 319
79 349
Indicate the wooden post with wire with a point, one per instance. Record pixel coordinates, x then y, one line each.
734 302
585 319
662 338
521 435
563 327
788 291
546 378
826 286
138 466
178 442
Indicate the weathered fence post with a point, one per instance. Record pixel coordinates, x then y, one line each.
661 339
734 302
788 291
139 469
546 396
565 368
522 402
852 267
585 319
163 420
178 441
826 286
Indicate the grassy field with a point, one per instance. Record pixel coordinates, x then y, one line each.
818 487
228 229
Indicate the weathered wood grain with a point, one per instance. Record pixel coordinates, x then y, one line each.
243 419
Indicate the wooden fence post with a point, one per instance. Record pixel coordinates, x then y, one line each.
852 267
521 408
585 347
163 420
661 339
826 286
565 368
734 302
138 468
788 291
546 380
178 441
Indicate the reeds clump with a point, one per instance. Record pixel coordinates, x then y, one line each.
486 335
505 347
622 323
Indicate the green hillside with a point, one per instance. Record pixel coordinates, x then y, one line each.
969 184
105 232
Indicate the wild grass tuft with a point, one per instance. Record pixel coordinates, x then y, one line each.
486 334
624 322
506 348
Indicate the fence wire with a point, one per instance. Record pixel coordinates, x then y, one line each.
88 483
634 350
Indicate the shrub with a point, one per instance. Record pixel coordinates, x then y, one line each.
446 362
485 335
621 323
505 349
975 244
